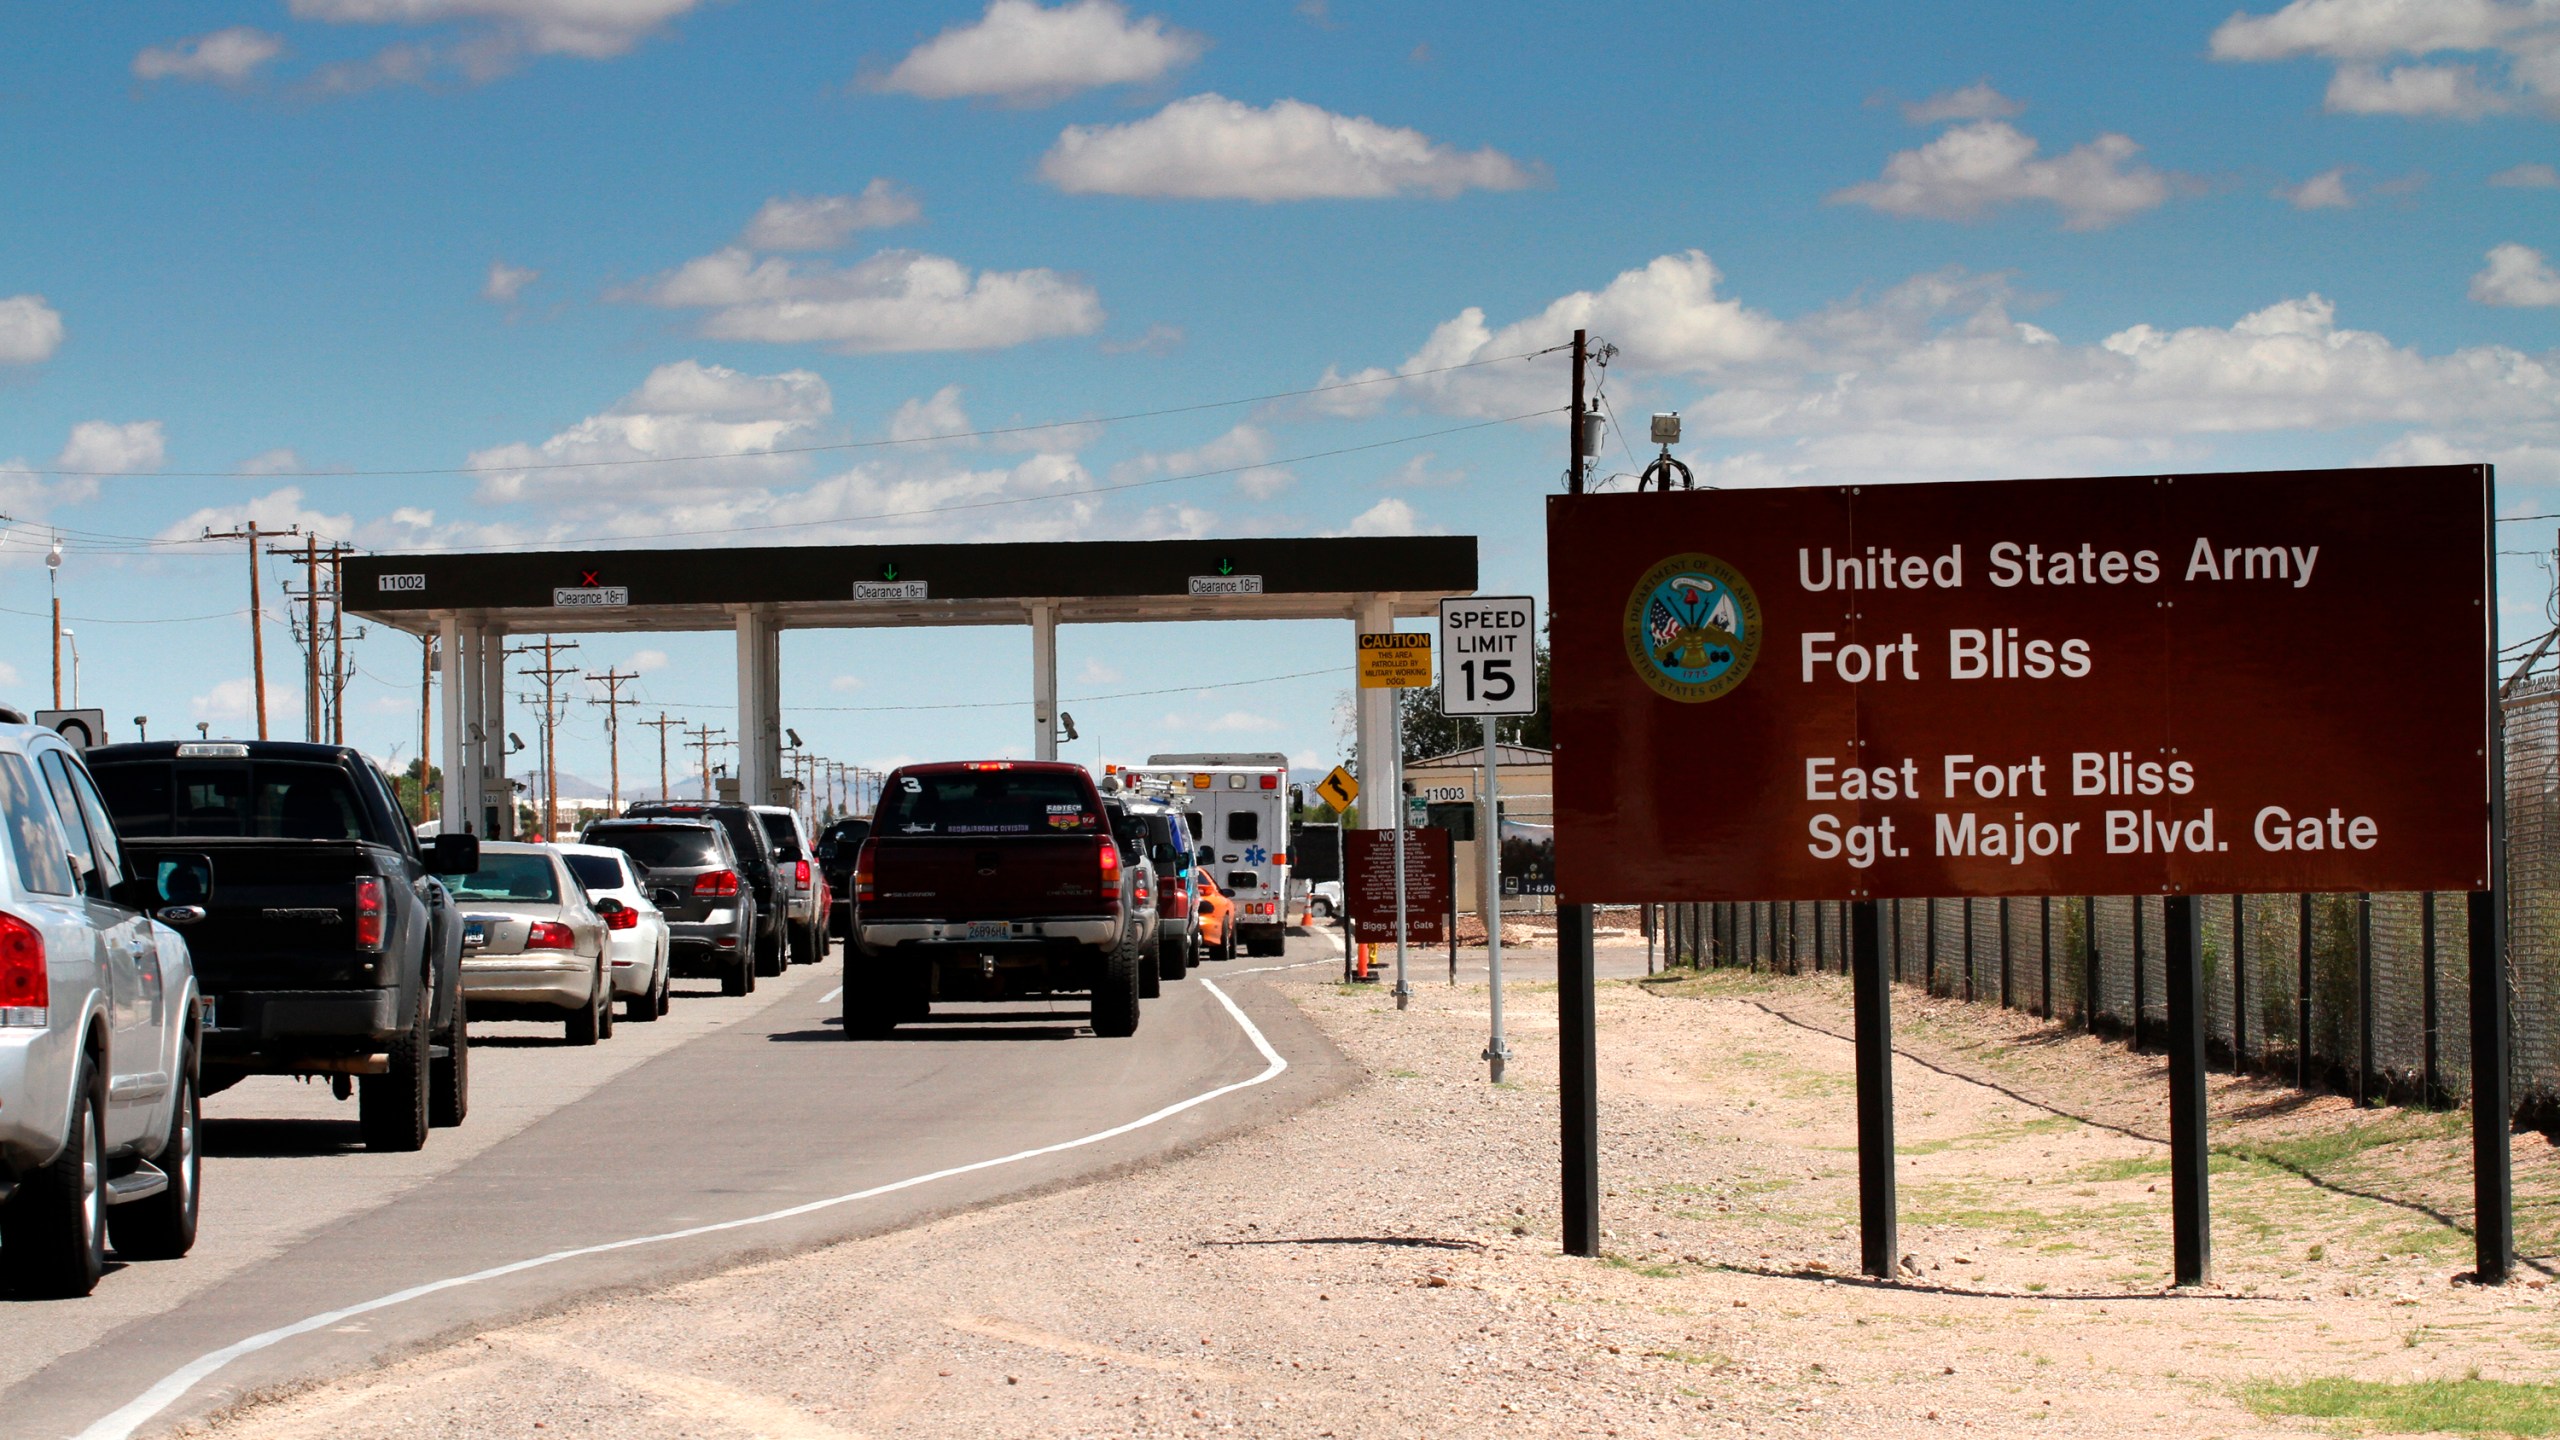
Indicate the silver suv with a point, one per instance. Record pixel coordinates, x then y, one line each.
98 1031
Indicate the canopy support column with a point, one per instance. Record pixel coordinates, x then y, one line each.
1373 722
1044 680
759 705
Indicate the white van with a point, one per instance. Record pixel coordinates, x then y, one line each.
1238 809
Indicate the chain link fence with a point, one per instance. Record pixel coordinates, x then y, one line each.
2368 995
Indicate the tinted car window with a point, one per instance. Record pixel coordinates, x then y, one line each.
32 842
988 802
597 872
527 878
780 833
1244 825
844 837
66 806
661 847
270 799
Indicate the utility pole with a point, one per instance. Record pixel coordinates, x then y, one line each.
257 610
338 642
1579 1061
613 680
310 557
662 725
703 738
551 673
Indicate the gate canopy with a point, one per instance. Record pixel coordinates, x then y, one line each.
813 586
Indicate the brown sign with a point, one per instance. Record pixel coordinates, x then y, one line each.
1369 885
2193 683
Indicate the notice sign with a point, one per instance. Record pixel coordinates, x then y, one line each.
1369 885
1394 660
2156 684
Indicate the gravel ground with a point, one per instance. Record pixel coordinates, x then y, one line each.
1385 1263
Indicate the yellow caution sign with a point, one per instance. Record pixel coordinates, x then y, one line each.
1395 660
1339 789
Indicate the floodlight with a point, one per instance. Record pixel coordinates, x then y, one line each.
1666 427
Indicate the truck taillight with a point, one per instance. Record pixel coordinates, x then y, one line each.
720 883
1142 890
862 873
549 935
369 916
1110 862
26 993
800 873
1270 782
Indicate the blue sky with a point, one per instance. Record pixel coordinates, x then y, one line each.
254 241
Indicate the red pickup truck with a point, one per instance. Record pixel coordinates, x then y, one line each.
989 879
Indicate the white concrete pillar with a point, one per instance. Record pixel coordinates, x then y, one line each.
497 797
1373 720
455 803
759 705
1044 680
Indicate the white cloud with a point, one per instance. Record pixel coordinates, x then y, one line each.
845 684
590 29
685 409
1097 673
2364 37
225 57
1390 516
2516 275
30 330
823 222
1241 451
897 300
2532 175
230 708
1977 101
280 461
2324 191
1208 147
1974 169
102 447
1417 473
644 662
938 414
276 510
1024 54
506 282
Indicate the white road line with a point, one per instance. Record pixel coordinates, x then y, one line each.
135 1413
830 995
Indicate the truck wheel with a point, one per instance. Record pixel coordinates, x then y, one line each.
449 1079
1150 967
53 1232
877 996
1172 957
163 1226
740 976
592 1021
392 1107
1115 993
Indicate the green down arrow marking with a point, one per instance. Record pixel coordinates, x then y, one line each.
889 571
1226 566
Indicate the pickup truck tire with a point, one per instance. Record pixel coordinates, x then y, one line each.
1150 967
1115 992
449 1079
163 1226
53 1232
1173 957
391 1108
592 1021
876 998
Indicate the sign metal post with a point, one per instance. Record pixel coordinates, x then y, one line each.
1488 669
1871 992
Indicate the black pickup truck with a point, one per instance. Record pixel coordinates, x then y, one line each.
329 947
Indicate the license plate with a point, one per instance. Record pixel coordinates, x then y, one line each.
474 934
990 930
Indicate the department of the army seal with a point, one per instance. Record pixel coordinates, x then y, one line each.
1692 628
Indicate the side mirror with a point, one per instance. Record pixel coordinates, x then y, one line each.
454 854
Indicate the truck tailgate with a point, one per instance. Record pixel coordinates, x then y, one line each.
1015 877
283 911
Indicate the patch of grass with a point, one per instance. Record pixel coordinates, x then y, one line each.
2472 1407
1658 1272
2131 1167
2327 1150
1404 1074
1709 1359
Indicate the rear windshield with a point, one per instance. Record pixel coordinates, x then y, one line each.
507 877
661 847
780 832
264 799
844 836
988 802
596 872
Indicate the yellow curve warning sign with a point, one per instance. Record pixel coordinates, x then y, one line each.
1339 789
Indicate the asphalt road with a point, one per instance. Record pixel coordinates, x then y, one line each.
727 1111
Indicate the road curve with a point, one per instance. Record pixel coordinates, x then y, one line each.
760 1111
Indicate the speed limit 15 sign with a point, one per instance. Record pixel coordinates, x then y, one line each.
1489 655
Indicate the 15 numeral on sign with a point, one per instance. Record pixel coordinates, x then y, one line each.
1493 686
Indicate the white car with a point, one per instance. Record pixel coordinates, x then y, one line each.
98 1032
637 938
1325 899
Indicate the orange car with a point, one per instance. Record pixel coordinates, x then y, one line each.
1217 921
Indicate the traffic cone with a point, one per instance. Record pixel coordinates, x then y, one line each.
1364 962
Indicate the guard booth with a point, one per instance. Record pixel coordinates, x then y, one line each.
474 601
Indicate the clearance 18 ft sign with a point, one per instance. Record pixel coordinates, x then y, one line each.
2194 683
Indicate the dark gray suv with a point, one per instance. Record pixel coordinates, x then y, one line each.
692 875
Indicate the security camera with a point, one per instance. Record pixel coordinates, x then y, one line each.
794 734
1068 721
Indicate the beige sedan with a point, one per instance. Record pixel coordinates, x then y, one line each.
533 944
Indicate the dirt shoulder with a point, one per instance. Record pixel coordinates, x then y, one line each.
1385 1263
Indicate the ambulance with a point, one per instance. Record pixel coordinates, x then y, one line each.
1238 808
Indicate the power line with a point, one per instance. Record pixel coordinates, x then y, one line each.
815 449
